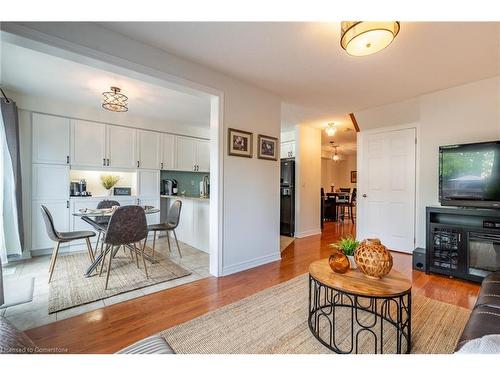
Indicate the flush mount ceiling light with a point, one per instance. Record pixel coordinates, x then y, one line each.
362 38
331 129
114 101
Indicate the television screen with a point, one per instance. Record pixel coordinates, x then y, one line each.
470 173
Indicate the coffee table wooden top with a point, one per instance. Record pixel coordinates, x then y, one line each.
354 282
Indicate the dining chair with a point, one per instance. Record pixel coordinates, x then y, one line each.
99 223
342 204
127 226
352 204
63 237
173 218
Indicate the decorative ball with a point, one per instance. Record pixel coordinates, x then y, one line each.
338 262
373 258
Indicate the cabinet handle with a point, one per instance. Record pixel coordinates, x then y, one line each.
161 165
104 161
67 204
137 163
107 163
67 159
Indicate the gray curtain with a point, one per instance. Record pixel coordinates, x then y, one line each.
11 125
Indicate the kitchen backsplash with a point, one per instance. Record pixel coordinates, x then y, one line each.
188 181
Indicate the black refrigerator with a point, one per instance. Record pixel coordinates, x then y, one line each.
287 192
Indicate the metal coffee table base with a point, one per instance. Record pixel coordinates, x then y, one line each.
368 318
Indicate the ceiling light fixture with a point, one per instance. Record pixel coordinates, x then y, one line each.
114 101
331 129
363 38
335 156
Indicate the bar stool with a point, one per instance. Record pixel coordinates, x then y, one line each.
173 218
63 237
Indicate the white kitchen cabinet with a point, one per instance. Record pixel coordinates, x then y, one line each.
59 209
121 147
50 139
185 153
167 151
287 149
202 155
50 182
148 183
148 149
88 144
201 227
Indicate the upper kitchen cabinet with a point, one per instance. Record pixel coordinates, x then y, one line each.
50 136
148 184
202 155
88 144
287 149
148 149
121 142
167 151
185 154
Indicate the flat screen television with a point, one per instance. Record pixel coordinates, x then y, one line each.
469 175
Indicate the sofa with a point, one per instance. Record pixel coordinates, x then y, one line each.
483 327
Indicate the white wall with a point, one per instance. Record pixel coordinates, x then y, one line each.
251 186
308 181
461 114
338 173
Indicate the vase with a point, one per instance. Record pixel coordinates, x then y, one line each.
373 258
110 192
352 262
338 262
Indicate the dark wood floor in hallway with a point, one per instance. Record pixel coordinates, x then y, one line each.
111 328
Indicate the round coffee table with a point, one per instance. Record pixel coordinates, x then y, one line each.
349 310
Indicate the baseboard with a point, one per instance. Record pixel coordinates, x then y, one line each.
307 233
242 266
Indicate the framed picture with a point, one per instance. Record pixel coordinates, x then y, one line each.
354 177
240 143
267 147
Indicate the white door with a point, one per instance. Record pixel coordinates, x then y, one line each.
50 181
386 188
167 151
203 156
88 144
149 149
148 184
121 150
50 139
185 153
60 214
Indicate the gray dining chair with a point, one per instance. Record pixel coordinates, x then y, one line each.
63 237
127 227
99 223
173 218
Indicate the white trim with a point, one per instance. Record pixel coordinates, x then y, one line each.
307 233
242 266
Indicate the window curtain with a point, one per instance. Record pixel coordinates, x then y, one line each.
11 220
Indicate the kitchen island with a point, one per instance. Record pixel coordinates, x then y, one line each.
193 226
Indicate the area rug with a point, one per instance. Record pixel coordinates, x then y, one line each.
17 291
275 321
69 287
285 242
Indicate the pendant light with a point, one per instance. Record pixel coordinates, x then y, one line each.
331 129
335 156
363 38
114 101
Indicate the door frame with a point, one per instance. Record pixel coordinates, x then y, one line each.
361 181
29 38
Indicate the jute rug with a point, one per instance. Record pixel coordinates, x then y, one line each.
275 321
69 287
285 242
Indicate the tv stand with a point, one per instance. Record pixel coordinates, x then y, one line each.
463 242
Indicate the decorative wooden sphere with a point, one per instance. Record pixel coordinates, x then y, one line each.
373 258
338 262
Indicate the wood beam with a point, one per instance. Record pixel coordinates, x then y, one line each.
354 122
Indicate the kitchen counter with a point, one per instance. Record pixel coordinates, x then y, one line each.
198 198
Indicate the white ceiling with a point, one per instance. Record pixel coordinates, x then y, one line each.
304 64
35 73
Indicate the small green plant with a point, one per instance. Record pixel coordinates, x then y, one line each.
108 181
347 245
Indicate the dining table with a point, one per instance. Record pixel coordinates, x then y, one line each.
89 215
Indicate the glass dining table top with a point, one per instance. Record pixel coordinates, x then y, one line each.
103 212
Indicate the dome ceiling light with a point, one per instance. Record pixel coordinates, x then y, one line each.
331 129
114 101
363 38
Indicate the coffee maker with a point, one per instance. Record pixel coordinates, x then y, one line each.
79 188
170 186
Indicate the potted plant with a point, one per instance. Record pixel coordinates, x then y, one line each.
108 181
348 246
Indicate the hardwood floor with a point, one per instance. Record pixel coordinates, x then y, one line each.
111 328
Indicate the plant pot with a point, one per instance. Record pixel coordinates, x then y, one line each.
352 262
110 192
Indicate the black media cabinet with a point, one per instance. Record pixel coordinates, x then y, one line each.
463 242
